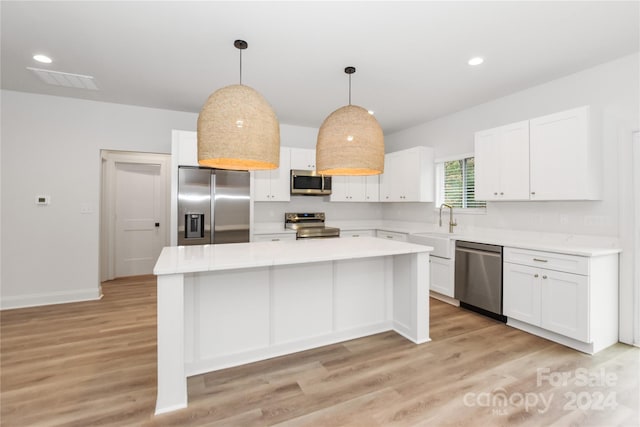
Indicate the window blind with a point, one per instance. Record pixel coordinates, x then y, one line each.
456 184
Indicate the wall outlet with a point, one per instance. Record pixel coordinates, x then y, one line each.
595 220
85 208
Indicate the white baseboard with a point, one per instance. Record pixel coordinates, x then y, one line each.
444 298
250 356
589 348
62 297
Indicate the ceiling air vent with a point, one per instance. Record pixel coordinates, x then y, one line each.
58 78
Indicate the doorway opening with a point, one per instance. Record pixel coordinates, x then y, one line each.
636 231
134 220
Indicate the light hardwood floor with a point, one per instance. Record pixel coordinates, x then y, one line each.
93 364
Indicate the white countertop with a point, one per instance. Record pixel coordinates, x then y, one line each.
581 245
191 259
566 246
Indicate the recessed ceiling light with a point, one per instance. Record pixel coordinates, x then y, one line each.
42 58
476 61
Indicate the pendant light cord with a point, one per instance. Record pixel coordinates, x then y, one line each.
240 66
349 89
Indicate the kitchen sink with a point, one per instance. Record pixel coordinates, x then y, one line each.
442 243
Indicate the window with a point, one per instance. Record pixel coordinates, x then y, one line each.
455 184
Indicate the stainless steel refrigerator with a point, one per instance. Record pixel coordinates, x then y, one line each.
213 206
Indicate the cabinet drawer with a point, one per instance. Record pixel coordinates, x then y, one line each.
357 233
548 260
273 237
402 237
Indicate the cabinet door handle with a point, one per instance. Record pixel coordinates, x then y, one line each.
540 260
544 277
389 237
495 194
533 193
535 275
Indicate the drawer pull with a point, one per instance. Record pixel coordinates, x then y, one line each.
356 235
389 237
544 277
540 260
535 275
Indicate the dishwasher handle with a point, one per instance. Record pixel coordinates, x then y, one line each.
479 252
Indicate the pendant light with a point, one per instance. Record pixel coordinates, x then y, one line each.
238 129
350 141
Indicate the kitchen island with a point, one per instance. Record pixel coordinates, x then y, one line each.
225 305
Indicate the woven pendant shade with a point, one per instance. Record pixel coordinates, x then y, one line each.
350 142
238 129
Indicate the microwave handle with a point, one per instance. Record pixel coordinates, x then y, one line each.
322 182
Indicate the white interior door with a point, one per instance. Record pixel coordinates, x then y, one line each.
140 204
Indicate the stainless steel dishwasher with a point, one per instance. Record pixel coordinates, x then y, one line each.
478 278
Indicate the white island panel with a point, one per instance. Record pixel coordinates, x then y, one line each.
302 302
361 293
237 299
252 301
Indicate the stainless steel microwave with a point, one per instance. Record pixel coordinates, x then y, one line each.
309 183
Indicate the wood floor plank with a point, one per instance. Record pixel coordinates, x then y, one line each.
94 364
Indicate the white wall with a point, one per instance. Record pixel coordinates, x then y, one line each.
612 90
51 145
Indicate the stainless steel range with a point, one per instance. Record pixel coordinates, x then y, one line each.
309 225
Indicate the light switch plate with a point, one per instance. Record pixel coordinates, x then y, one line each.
43 200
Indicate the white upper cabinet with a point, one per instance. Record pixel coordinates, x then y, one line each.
273 185
566 159
408 176
555 157
303 158
372 188
502 163
348 188
185 148
354 188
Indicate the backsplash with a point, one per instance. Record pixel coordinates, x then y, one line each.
274 211
577 217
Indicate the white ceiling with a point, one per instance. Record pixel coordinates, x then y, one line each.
411 57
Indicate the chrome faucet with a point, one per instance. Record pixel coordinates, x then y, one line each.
452 222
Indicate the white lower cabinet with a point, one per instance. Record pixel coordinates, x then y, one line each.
565 310
274 237
441 275
560 296
357 233
521 293
391 235
553 300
